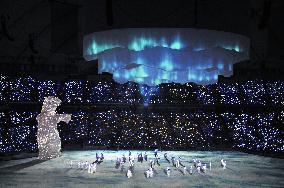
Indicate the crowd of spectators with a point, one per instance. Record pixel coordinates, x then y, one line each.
28 89
201 128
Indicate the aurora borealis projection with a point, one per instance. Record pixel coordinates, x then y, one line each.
163 55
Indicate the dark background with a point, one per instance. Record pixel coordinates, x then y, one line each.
54 28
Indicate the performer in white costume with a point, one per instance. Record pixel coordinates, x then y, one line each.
129 174
92 168
177 163
168 171
203 168
79 165
49 143
223 164
149 173
86 165
184 171
190 170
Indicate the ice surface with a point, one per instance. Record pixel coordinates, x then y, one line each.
243 170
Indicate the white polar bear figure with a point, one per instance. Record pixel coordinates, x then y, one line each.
49 143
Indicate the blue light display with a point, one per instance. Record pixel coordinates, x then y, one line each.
164 55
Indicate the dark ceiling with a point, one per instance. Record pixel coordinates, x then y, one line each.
58 26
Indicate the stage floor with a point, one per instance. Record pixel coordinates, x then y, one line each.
244 170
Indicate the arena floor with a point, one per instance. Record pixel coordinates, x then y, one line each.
243 170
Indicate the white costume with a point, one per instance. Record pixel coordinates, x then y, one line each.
203 168
86 165
190 170
145 156
89 168
184 170
129 174
199 164
223 164
92 168
151 172
131 163
198 169
49 143
177 163
79 165
147 173
168 170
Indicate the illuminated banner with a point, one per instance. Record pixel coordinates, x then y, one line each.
164 55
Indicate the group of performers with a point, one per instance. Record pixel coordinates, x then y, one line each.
90 166
121 161
149 173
